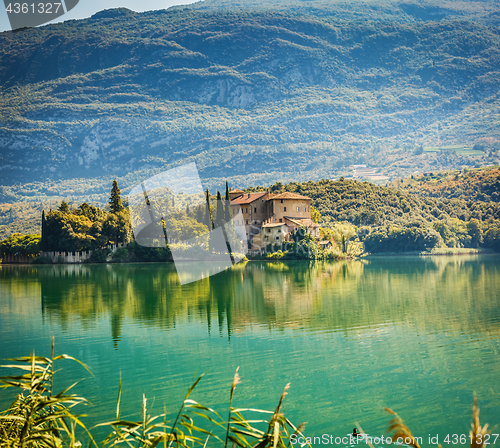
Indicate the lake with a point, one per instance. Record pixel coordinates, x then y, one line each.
419 335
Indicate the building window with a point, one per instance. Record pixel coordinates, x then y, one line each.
304 209
268 230
284 209
255 209
277 237
281 220
297 208
246 211
247 221
282 201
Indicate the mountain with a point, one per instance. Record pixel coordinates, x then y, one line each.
254 96
402 11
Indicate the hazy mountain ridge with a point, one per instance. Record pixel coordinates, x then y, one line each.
251 96
402 11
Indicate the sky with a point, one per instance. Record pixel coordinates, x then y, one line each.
86 8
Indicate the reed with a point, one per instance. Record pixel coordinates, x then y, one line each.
40 419
399 430
477 434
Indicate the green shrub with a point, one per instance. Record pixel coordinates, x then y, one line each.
397 239
150 254
120 254
277 255
98 256
42 259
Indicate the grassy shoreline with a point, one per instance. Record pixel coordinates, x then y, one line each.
438 251
434 252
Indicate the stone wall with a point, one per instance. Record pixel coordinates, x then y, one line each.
16 259
77 257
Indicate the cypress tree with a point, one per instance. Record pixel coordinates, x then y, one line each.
227 210
209 223
43 241
219 220
227 192
115 200
200 215
209 218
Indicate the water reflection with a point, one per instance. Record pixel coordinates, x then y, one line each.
417 334
459 293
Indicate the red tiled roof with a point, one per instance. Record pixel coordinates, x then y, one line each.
287 195
236 191
247 198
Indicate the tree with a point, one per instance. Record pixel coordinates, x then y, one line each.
343 233
227 211
115 200
475 232
74 231
91 212
209 220
492 238
227 192
43 241
219 217
64 207
117 227
200 215
315 214
305 245
18 244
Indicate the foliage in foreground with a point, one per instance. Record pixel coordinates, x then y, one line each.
40 418
478 435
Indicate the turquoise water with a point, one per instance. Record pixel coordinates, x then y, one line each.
419 335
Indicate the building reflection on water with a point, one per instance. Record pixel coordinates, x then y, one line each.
342 296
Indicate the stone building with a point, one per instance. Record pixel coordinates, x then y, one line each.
254 211
275 215
271 233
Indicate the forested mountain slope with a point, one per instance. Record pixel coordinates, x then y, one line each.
482 184
363 203
382 10
253 97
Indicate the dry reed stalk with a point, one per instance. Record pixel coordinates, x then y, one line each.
477 432
282 397
364 435
144 401
236 380
397 426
